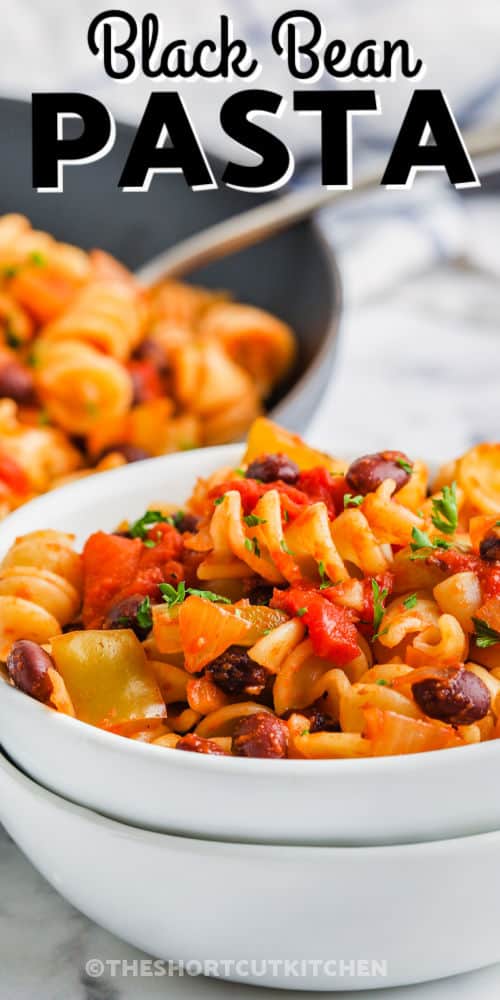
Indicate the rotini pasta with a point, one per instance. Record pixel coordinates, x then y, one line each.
87 353
280 614
40 588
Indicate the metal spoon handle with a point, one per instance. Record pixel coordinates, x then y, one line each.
248 228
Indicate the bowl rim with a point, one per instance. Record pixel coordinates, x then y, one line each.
396 764
103 484
231 848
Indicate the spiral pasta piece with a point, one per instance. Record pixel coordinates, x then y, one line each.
40 587
108 315
79 386
260 343
42 274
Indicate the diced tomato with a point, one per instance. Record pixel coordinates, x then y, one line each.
489 577
454 561
385 582
331 628
250 490
167 545
145 380
148 579
320 485
13 476
110 562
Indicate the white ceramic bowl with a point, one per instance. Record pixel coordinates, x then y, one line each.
394 800
399 914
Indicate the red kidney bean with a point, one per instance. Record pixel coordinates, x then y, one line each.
368 472
28 665
234 672
16 383
125 615
260 735
456 695
489 548
269 468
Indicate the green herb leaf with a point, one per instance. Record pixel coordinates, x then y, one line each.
208 595
173 595
379 597
284 548
410 602
12 339
240 472
485 635
139 529
252 545
252 520
445 510
10 271
144 615
305 732
403 464
422 541
351 501
219 500
37 258
322 573
382 683
43 418
301 612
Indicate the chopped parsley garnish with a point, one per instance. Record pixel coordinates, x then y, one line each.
208 595
422 541
10 271
240 472
37 258
139 529
301 612
445 510
177 595
252 545
143 614
284 548
379 597
403 464
485 635
305 732
382 683
252 520
12 339
410 602
219 500
43 418
173 595
351 501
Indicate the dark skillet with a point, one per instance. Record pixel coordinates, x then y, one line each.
293 275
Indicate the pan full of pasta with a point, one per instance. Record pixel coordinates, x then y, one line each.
279 646
97 371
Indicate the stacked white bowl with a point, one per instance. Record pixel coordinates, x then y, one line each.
302 874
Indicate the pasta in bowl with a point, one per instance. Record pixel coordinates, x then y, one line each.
297 606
